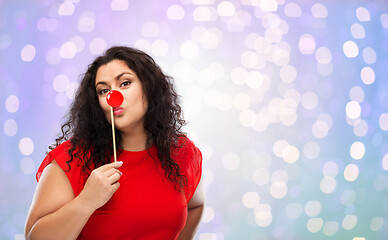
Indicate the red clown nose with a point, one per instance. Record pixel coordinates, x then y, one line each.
114 98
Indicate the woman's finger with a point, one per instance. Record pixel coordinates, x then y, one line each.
114 178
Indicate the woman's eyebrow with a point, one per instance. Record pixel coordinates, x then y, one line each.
121 74
117 78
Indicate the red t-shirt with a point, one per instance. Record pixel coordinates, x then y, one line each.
146 206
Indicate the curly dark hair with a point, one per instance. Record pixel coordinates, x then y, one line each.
90 133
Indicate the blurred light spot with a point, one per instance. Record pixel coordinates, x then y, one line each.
10 127
376 223
230 161
349 222
356 94
247 117
184 71
314 225
383 121
369 55
119 5
204 14
226 8
143 45
261 123
60 83
357 31
353 110
325 69
292 10
159 48
224 102
384 162
380 182
66 9
28 53
238 21
290 154
350 49
360 128
312 208
71 89
330 228
61 99
189 49
150 29
208 215
309 100
254 79
175 12
86 22
351 172
241 101
250 40
263 215
27 165
42 24
288 73
319 11
279 146
251 199
78 42
384 20
306 44
357 150
207 236
249 59
279 176
68 50
12 104
328 184
330 169
5 41
359 238
348 197
294 210
278 190
53 57
363 14
206 77
208 176
261 176
367 75
320 129
268 5
202 2
97 46
323 55
26 146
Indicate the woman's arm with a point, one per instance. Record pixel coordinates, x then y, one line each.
195 209
56 213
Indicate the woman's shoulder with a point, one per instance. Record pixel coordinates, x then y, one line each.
186 152
61 148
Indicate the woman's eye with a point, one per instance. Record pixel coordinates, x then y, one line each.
103 91
126 83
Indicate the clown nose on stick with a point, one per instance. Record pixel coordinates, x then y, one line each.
114 99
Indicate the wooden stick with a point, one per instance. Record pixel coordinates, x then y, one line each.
113 133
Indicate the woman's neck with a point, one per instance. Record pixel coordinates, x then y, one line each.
134 141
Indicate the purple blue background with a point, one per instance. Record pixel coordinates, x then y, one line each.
288 101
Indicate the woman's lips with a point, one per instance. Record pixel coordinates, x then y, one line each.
117 110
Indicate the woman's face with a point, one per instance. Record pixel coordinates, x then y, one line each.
116 75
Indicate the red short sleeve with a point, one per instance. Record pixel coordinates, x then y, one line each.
189 158
61 156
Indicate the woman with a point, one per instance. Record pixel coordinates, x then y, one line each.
153 191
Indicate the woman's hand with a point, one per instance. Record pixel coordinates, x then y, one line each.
100 185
